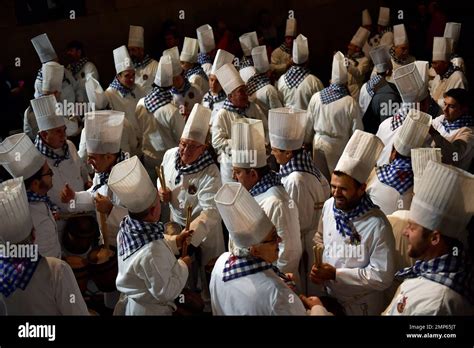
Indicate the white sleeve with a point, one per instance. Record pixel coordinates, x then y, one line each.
220 136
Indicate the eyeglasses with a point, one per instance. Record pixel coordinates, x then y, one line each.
274 239
190 147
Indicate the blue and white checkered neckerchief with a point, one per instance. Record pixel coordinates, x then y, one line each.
344 224
145 61
264 184
197 70
285 49
237 267
399 117
301 162
204 161
183 90
397 174
232 108
451 70
74 68
204 58
34 197
45 150
295 75
372 83
104 176
134 234
333 92
245 62
158 97
256 82
16 273
449 270
463 121
124 91
212 99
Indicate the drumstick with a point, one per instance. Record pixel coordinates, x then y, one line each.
162 176
318 254
104 229
188 216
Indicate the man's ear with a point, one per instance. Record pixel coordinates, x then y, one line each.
435 237
288 154
254 251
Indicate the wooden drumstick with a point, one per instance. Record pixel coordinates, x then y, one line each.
104 228
318 254
188 216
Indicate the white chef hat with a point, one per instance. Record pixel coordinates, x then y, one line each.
300 49
384 16
409 83
290 29
103 130
381 58
444 200
419 159
247 72
164 73
366 19
46 113
222 57
360 155
248 144
122 59
136 36
197 125
360 37
229 78
14 211
248 41
189 53
95 93
413 132
286 127
44 48
53 74
173 53
245 220
400 36
441 49
20 157
260 59
452 31
132 185
339 69
205 37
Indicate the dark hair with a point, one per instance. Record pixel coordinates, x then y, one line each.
35 176
139 216
460 95
77 45
339 173
261 172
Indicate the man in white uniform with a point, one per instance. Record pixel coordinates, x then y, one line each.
305 184
281 56
145 66
193 71
244 281
391 185
448 76
214 99
358 258
333 116
185 94
358 64
439 282
236 106
297 85
384 34
453 131
32 285
250 168
38 178
80 67
192 179
400 51
207 47
159 121
123 93
452 31
247 42
150 277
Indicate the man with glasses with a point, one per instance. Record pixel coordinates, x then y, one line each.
192 179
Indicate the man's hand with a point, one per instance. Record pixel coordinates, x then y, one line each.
103 204
310 302
184 236
165 195
322 273
187 260
67 194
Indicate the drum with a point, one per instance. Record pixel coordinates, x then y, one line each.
79 266
103 268
80 233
